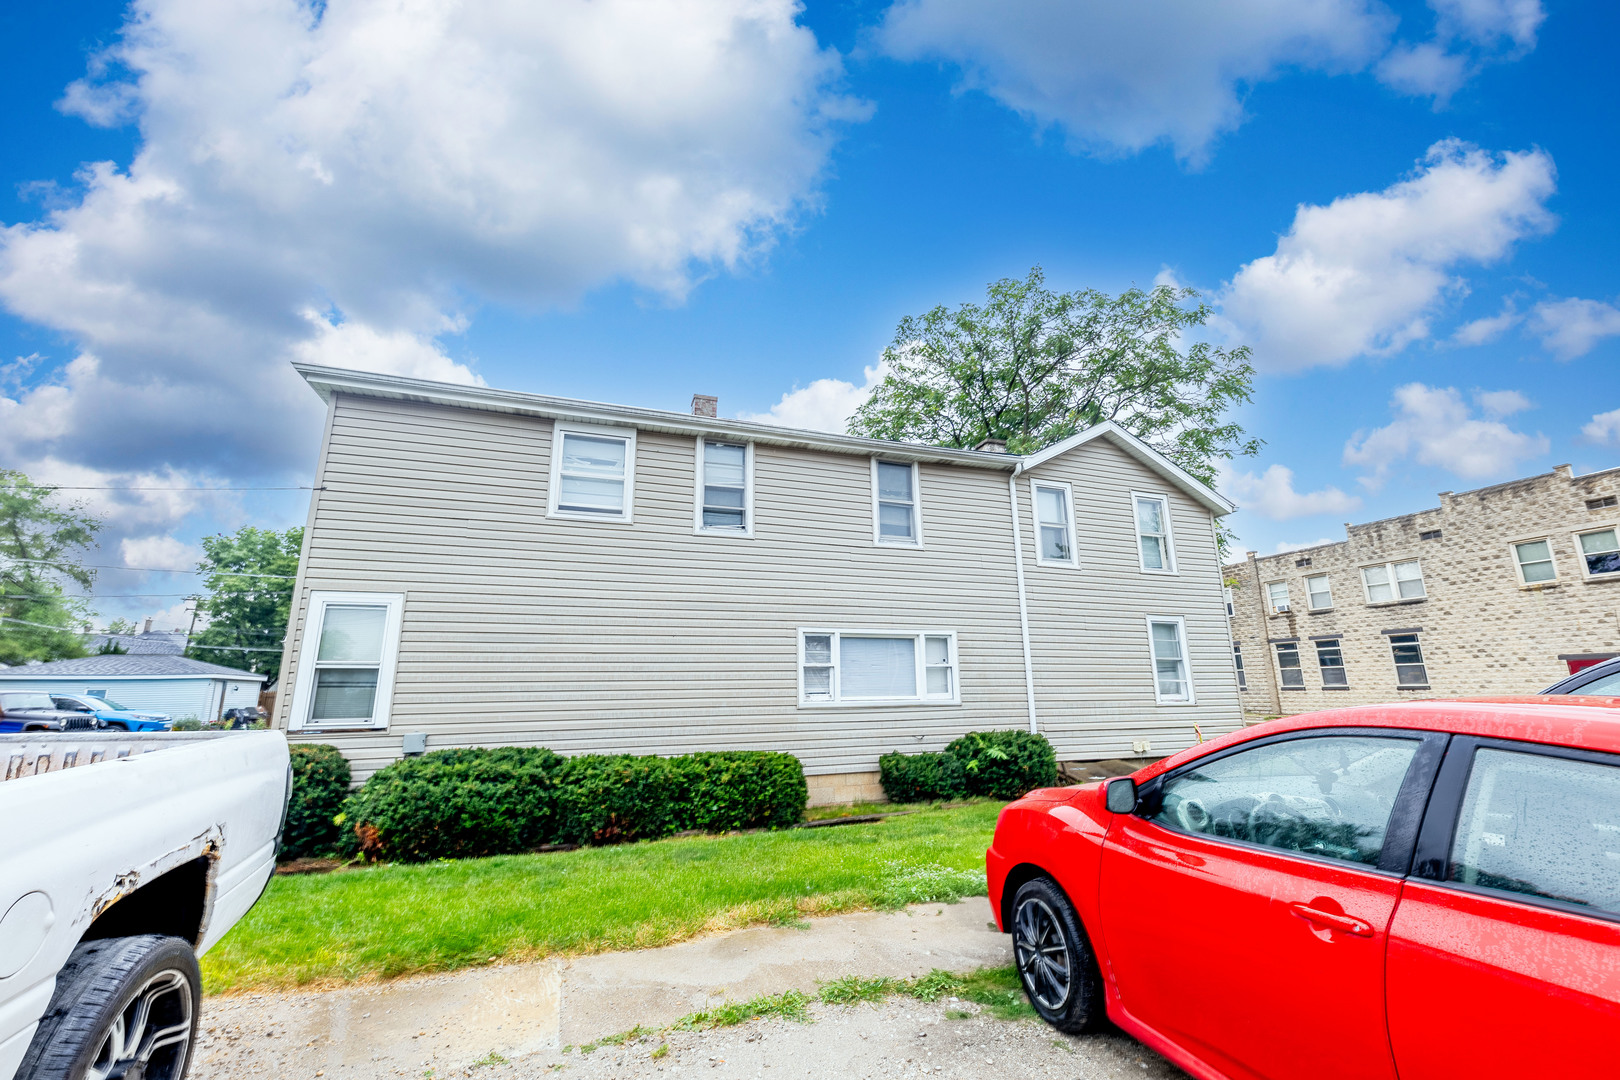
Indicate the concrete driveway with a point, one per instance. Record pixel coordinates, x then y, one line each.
517 1019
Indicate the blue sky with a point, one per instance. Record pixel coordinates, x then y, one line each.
741 198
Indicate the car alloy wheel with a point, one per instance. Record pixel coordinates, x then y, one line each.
1042 953
149 1038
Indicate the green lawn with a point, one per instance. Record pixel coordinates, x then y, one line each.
396 920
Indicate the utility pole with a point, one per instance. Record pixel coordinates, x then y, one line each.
195 600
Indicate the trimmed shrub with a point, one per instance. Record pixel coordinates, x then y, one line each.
908 778
454 804
741 789
1005 764
611 799
320 783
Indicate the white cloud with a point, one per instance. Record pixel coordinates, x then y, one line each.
1486 330
1364 274
387 165
1604 429
1286 545
1435 426
1271 494
1571 328
1468 34
1488 22
1424 70
159 553
1119 77
824 405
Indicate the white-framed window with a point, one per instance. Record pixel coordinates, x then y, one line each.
1155 546
1172 673
1393 581
878 667
1288 664
1054 524
1410 670
1318 592
346 662
1330 662
896 505
1600 552
723 501
1231 606
1237 661
1534 561
1276 596
593 472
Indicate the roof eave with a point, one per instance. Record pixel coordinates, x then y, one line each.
1216 503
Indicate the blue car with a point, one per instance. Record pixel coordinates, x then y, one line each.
112 714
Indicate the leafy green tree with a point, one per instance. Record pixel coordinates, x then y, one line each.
40 550
1032 367
247 615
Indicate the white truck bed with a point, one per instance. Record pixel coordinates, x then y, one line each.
112 834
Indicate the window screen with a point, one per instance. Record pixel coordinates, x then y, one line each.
873 667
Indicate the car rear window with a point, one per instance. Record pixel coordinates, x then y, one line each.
1541 826
26 701
1608 686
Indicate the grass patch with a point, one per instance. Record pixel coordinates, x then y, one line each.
824 813
391 920
792 1005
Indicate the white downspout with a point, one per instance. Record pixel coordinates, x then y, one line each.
1023 602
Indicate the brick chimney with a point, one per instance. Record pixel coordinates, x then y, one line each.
148 628
705 405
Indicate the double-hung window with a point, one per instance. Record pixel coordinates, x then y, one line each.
1410 670
1535 561
1237 661
1601 552
1393 581
877 667
1172 675
346 663
895 506
592 472
1330 662
725 489
1153 533
1288 664
1277 596
1054 525
1318 592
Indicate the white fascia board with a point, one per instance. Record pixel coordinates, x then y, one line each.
1141 451
21 674
327 381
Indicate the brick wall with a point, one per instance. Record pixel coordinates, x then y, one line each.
1481 629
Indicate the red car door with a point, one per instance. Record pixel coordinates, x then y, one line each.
1244 906
1504 955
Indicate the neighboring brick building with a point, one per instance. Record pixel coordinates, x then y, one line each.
1502 590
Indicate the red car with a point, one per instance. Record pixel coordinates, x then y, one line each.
1428 890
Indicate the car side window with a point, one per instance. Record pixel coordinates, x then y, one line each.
1329 795
1541 826
1607 686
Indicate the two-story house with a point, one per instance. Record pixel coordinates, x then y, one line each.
483 567
1501 590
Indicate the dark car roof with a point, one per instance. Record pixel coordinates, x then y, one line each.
1571 684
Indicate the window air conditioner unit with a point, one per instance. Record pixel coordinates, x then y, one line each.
1280 608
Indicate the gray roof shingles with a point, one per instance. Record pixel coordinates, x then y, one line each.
127 664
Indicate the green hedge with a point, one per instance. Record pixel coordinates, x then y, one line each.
464 803
997 764
320 783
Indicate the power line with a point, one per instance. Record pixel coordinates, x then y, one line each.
122 487
42 626
231 648
156 570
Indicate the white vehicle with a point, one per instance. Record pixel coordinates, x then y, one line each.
123 858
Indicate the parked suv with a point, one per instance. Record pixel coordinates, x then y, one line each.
1599 680
37 712
113 714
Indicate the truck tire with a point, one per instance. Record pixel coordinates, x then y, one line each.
123 1007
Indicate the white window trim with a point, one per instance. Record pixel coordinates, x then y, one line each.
1308 604
920 653
698 528
916 506
1518 567
558 430
1073 561
1265 589
1171 567
1186 652
304 689
1580 553
1394 584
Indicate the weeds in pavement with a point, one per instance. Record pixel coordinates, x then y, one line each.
791 1005
491 1058
662 1051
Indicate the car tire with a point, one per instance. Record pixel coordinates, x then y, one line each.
1054 958
96 1024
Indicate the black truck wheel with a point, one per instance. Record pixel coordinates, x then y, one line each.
124 1009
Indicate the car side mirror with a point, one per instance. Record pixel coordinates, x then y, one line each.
1120 795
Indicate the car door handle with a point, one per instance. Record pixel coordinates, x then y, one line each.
1348 923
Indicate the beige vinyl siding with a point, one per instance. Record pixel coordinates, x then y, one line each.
591 636
1094 685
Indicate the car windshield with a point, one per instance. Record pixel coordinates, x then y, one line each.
106 703
26 701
